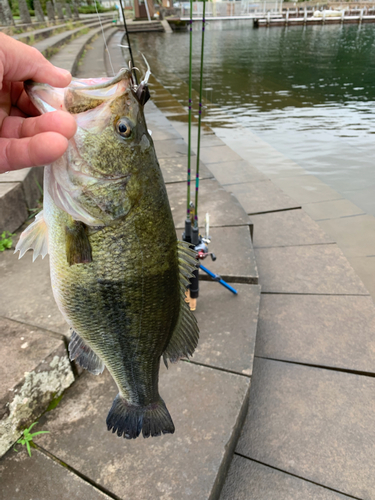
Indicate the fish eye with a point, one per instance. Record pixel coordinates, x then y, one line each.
124 127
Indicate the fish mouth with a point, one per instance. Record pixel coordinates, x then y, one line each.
81 94
100 83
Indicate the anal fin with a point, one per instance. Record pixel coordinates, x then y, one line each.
84 355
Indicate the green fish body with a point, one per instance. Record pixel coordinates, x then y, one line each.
118 272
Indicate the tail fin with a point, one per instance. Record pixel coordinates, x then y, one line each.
129 420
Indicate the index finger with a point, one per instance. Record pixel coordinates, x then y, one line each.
19 62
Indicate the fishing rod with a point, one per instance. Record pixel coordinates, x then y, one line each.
128 40
191 234
199 120
187 234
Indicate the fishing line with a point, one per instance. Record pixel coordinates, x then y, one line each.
128 40
105 41
199 120
190 103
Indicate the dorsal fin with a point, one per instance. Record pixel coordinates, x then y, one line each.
185 337
34 237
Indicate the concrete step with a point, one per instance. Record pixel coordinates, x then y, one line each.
144 26
30 37
42 478
34 369
51 45
19 194
207 397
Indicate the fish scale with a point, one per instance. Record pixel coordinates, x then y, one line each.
118 272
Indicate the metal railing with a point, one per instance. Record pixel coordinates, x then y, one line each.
231 9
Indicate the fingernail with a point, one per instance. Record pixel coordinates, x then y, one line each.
64 72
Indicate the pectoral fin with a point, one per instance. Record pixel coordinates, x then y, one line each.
35 237
78 248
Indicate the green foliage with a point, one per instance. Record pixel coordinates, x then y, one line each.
6 240
90 9
55 401
27 438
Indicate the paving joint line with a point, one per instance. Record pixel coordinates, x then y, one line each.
297 476
247 182
217 368
95 485
341 217
300 245
318 294
58 336
275 211
326 201
331 368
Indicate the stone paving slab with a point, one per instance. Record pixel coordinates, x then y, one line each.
171 148
193 460
306 189
40 478
288 228
94 54
28 296
312 269
354 235
13 209
365 268
249 480
223 207
34 369
174 111
236 172
317 424
208 137
331 209
227 340
325 330
175 169
259 153
218 154
261 197
235 255
163 133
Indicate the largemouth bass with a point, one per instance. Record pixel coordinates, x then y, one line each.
118 272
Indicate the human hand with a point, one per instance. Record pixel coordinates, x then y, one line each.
27 139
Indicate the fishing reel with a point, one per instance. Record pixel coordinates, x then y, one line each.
200 244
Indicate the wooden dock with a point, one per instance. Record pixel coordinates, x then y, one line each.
309 19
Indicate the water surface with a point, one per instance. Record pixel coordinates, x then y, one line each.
307 91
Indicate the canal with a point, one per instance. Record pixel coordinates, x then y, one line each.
307 91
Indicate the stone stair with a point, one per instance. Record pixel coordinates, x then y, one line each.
41 34
207 397
144 26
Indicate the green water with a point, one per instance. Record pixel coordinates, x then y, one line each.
307 91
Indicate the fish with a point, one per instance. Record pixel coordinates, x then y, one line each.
118 273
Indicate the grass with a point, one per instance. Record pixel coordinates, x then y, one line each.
6 240
51 51
27 438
